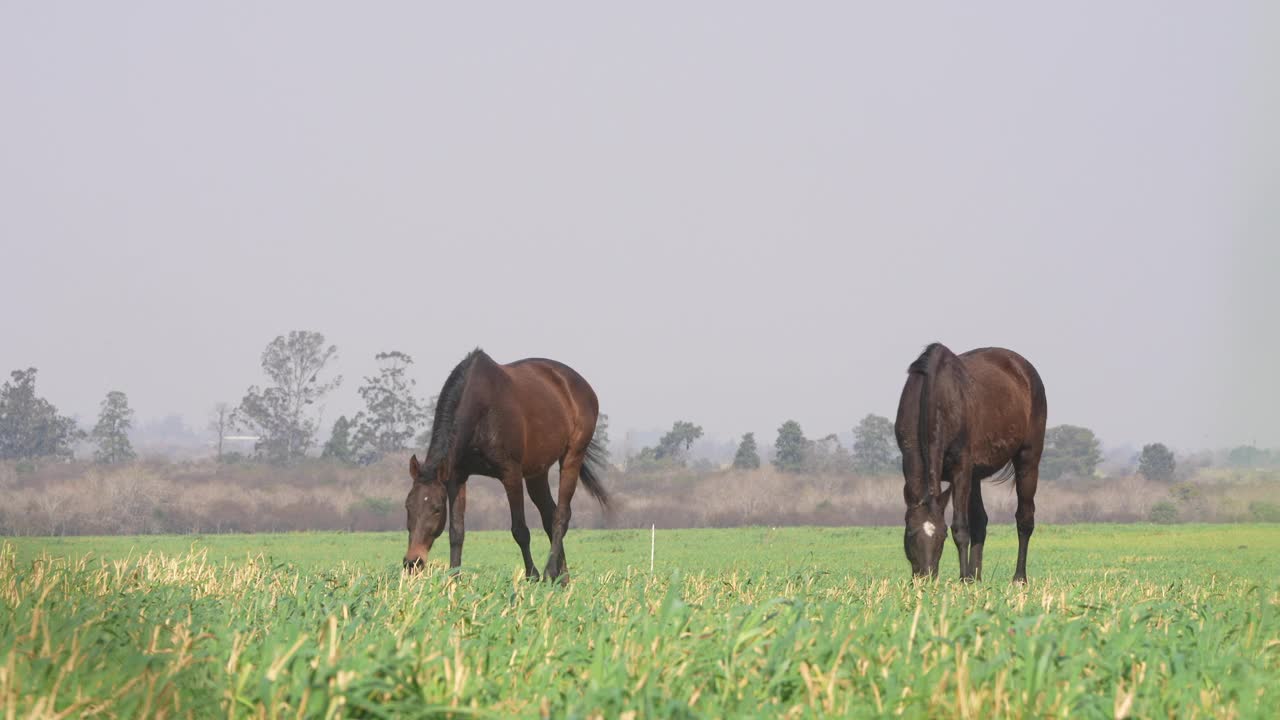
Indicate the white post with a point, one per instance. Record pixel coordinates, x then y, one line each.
653 540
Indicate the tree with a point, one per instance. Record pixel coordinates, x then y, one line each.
646 459
875 449
1070 450
1156 462
30 426
339 445
790 448
220 424
392 413
676 443
1247 456
747 457
111 434
828 456
278 413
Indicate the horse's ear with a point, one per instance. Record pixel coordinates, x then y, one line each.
415 470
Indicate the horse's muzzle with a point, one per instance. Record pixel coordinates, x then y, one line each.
415 558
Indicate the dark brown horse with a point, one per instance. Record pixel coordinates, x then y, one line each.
961 419
511 422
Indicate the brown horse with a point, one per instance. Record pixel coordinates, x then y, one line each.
961 419
511 422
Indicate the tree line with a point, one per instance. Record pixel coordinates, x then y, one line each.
1069 451
874 451
280 414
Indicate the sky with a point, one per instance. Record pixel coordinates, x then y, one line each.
730 213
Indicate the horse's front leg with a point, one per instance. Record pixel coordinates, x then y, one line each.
961 477
457 522
977 528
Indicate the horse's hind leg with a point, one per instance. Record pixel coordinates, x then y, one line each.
540 493
513 482
1026 469
977 527
569 469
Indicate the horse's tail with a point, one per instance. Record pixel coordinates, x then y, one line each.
930 453
593 469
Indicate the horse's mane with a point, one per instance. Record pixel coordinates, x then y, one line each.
444 428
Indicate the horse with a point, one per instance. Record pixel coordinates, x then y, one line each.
963 418
511 422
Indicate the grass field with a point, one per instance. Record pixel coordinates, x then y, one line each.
1142 621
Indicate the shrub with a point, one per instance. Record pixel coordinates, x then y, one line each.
1164 512
1192 504
376 505
1185 492
1086 511
1263 511
303 514
374 514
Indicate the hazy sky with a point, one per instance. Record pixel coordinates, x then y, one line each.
729 213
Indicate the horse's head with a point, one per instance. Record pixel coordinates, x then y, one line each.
926 533
426 509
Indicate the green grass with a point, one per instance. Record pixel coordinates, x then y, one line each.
1146 621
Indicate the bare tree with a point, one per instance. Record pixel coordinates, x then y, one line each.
50 505
220 424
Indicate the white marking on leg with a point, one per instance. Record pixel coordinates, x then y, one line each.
929 529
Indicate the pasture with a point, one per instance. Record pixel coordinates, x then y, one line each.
1133 620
